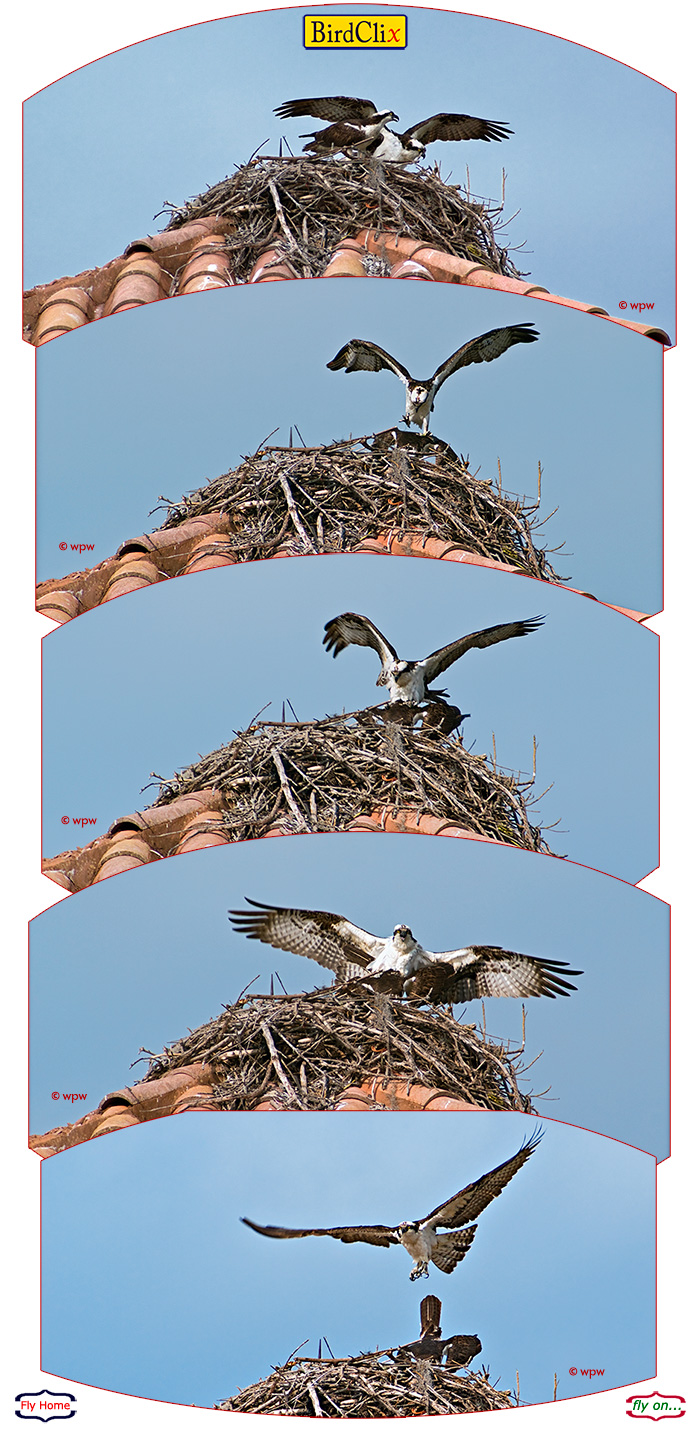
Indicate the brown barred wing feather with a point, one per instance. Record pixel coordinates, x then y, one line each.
329 939
469 1202
378 1234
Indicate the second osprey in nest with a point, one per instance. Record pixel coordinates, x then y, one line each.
459 1349
402 965
409 682
360 354
357 124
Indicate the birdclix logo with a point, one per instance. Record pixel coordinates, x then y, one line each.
45 1405
348 32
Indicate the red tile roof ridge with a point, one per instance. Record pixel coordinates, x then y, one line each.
188 1087
200 543
174 251
140 837
448 268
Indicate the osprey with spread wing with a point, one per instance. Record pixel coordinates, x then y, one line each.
459 1349
390 148
419 1236
443 977
360 354
355 123
409 681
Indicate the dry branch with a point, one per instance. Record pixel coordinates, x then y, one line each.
306 206
340 768
372 1385
303 1051
348 491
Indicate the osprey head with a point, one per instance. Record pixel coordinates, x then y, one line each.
384 114
403 933
408 1226
418 394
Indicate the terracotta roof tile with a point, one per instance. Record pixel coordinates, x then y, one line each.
139 838
190 1087
201 543
179 1091
194 258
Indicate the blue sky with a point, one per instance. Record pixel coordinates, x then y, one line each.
135 962
148 683
166 397
590 166
152 1286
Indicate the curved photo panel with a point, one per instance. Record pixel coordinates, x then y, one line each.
212 712
191 437
540 188
572 1231
166 1006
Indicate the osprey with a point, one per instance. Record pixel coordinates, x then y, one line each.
390 148
409 682
360 354
357 123
419 1236
444 977
459 1350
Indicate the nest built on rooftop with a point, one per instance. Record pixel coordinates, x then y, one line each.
304 1051
321 776
332 497
305 206
372 1385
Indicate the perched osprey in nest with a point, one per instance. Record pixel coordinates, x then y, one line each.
459 1350
357 123
419 1236
359 354
409 682
444 977
390 148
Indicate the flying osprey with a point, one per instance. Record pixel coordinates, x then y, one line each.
444 977
360 354
459 1350
390 148
357 123
409 682
419 1236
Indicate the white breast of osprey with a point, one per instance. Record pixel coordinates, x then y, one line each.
418 1242
401 953
419 403
406 684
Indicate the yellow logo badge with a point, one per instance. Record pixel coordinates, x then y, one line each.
352 32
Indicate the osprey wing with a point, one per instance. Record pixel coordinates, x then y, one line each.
332 107
485 348
439 661
359 354
469 1202
352 1234
480 970
320 935
457 126
351 629
430 1316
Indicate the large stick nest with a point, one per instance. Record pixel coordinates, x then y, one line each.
306 206
372 1385
320 776
332 497
304 1051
